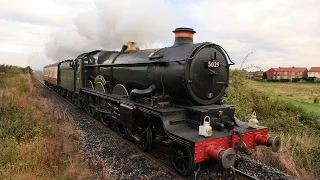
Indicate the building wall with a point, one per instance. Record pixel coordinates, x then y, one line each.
258 73
270 74
273 74
314 74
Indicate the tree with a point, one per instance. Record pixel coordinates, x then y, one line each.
264 75
14 70
3 68
27 70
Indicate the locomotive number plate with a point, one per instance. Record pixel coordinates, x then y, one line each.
212 64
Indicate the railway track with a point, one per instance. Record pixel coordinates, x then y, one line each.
242 175
150 157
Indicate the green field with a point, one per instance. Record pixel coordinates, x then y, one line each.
299 94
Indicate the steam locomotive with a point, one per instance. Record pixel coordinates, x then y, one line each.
167 99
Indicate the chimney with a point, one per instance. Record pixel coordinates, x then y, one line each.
183 36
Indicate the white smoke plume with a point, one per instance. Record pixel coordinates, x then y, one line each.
110 25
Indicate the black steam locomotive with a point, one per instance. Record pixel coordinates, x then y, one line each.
166 99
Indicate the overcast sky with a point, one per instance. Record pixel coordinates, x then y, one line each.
278 33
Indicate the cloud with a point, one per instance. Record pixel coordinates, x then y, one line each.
43 12
24 34
278 32
27 25
19 40
38 60
13 58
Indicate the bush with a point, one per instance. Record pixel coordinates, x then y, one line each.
257 79
273 80
311 79
296 79
264 75
3 68
317 80
14 69
284 80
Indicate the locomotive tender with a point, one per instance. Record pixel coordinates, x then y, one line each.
161 98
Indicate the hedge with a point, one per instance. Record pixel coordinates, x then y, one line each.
284 80
272 80
257 79
307 79
296 79
311 79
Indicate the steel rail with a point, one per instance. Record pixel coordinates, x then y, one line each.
242 175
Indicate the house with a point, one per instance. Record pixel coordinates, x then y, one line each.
314 72
287 72
258 73
251 74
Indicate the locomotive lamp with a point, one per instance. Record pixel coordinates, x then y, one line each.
253 122
205 130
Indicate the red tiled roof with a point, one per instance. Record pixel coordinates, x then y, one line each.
314 69
288 69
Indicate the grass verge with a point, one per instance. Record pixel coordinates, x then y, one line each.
34 143
300 152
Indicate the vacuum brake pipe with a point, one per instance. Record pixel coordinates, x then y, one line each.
273 142
226 157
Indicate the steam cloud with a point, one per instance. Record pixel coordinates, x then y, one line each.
110 25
